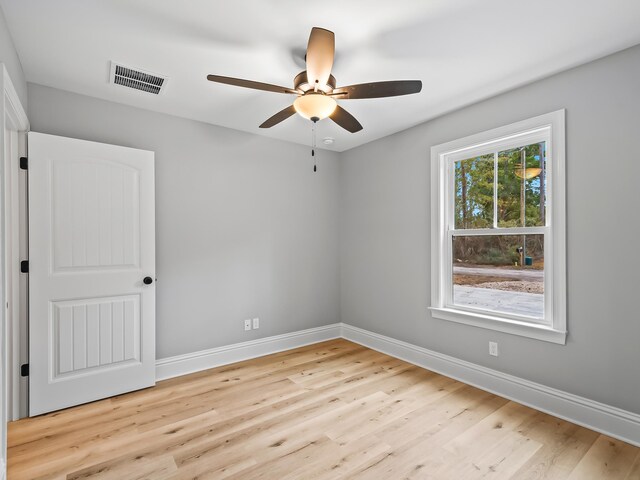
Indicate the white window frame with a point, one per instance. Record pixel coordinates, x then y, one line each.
549 128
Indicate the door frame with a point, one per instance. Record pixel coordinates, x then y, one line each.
13 118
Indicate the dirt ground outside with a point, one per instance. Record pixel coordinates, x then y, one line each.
511 279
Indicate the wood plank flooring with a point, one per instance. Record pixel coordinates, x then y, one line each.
333 410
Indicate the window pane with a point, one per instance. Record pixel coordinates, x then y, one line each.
474 192
522 186
500 273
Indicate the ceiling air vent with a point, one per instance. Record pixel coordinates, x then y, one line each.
137 79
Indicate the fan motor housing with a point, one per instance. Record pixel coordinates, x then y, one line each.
301 82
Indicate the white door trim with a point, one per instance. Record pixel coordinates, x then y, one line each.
13 119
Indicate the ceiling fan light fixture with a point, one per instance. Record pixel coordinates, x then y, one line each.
316 89
314 105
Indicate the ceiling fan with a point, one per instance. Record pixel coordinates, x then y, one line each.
316 87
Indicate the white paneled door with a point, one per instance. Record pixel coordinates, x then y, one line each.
91 271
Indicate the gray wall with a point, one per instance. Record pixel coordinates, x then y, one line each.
385 234
9 57
244 227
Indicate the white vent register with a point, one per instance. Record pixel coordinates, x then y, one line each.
137 79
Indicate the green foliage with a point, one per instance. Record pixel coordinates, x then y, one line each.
497 250
474 192
476 186
510 188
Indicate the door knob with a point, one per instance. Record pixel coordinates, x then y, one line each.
147 280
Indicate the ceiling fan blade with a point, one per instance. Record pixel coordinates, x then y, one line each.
378 89
239 82
320 53
345 120
278 117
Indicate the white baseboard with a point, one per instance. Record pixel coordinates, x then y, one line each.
215 357
602 418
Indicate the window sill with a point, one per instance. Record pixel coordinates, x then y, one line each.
538 332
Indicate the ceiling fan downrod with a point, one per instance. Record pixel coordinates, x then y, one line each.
313 142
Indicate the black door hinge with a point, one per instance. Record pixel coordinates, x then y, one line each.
24 370
24 163
24 266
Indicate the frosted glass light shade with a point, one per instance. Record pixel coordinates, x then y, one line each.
314 105
529 173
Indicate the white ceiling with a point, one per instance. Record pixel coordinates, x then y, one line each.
462 50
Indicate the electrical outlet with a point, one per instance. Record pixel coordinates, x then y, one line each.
256 323
493 348
247 324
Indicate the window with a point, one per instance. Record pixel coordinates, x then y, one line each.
498 233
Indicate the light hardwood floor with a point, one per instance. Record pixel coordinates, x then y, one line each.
333 410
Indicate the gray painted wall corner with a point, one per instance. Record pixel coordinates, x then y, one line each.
385 234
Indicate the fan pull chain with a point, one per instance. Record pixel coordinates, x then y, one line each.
313 144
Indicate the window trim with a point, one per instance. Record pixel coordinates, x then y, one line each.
442 157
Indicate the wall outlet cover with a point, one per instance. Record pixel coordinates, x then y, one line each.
493 349
247 324
256 323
